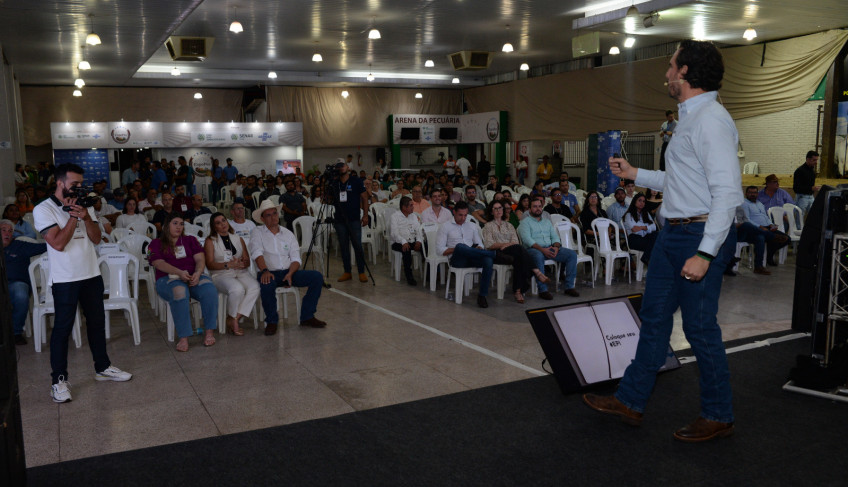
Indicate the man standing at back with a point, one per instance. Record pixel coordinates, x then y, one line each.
666 131
75 277
350 201
804 182
701 188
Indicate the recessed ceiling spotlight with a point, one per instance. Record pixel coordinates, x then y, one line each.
175 71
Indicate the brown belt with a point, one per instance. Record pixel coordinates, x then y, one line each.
684 221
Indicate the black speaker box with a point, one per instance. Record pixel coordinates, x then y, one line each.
12 461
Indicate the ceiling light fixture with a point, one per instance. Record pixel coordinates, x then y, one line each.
175 71
524 67
272 74
370 76
198 96
77 93
235 26
79 83
614 51
429 62
83 65
373 33
92 39
507 47
632 11
455 81
419 95
629 42
651 19
750 34
345 94
317 58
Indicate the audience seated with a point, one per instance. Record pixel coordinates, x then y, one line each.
591 210
179 262
436 213
277 256
165 213
499 235
419 204
773 195
17 255
460 239
151 202
542 241
406 235
22 200
755 213
475 208
640 227
22 228
400 190
228 261
196 209
557 207
130 214
293 204
617 210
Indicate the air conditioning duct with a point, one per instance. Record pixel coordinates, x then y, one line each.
470 60
184 48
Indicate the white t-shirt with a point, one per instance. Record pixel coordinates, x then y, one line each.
463 165
243 229
124 220
78 261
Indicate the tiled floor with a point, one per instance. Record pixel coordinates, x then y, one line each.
367 357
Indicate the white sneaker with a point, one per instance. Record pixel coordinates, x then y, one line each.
61 391
113 373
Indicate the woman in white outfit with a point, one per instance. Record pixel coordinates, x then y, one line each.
228 261
130 214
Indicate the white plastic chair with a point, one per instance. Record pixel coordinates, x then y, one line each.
604 251
118 234
571 237
122 289
43 303
556 219
776 214
192 229
432 260
136 244
488 195
302 226
274 198
796 219
463 284
751 168
149 214
225 200
637 254
397 256
148 229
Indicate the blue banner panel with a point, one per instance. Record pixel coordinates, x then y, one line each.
95 163
609 143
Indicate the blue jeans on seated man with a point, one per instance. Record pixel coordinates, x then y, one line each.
665 291
177 294
564 256
465 256
19 297
313 281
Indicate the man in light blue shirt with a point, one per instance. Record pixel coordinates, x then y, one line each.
756 214
773 195
542 241
616 211
130 174
230 171
701 189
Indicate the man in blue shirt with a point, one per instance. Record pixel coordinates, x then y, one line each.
350 200
666 131
756 214
773 195
17 254
616 211
542 241
230 172
160 177
701 190
130 175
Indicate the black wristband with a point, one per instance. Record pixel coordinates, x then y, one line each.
707 257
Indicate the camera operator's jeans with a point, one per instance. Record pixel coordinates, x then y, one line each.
350 233
19 296
665 291
88 295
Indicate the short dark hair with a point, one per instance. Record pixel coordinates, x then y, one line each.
404 200
460 205
669 112
471 186
706 68
752 187
812 153
63 169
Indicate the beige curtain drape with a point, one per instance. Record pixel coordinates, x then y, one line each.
360 120
632 96
45 104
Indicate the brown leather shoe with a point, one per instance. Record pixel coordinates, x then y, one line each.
313 322
546 295
762 270
345 277
702 430
363 278
270 329
572 292
611 405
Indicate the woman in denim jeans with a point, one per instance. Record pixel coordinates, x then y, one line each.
179 261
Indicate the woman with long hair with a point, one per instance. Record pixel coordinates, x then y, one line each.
179 262
523 206
640 227
591 209
500 236
130 214
22 201
228 261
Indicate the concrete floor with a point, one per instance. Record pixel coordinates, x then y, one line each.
383 345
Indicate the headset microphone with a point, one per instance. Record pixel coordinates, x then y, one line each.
675 81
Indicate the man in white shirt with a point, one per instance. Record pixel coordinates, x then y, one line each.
463 165
406 236
450 166
71 232
240 225
460 239
436 213
277 256
152 202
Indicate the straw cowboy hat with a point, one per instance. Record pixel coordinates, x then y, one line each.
266 205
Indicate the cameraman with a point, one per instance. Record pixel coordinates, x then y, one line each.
71 231
349 197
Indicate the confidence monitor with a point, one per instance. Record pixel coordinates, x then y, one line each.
410 133
591 342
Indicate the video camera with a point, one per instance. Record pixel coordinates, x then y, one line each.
80 193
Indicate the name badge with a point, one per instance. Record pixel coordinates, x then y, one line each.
242 233
184 208
79 231
343 197
228 255
180 252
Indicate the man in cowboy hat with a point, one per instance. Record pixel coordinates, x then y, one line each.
277 256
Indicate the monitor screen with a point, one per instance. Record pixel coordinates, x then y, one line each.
410 133
451 133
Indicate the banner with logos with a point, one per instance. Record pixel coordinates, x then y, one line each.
120 135
419 129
